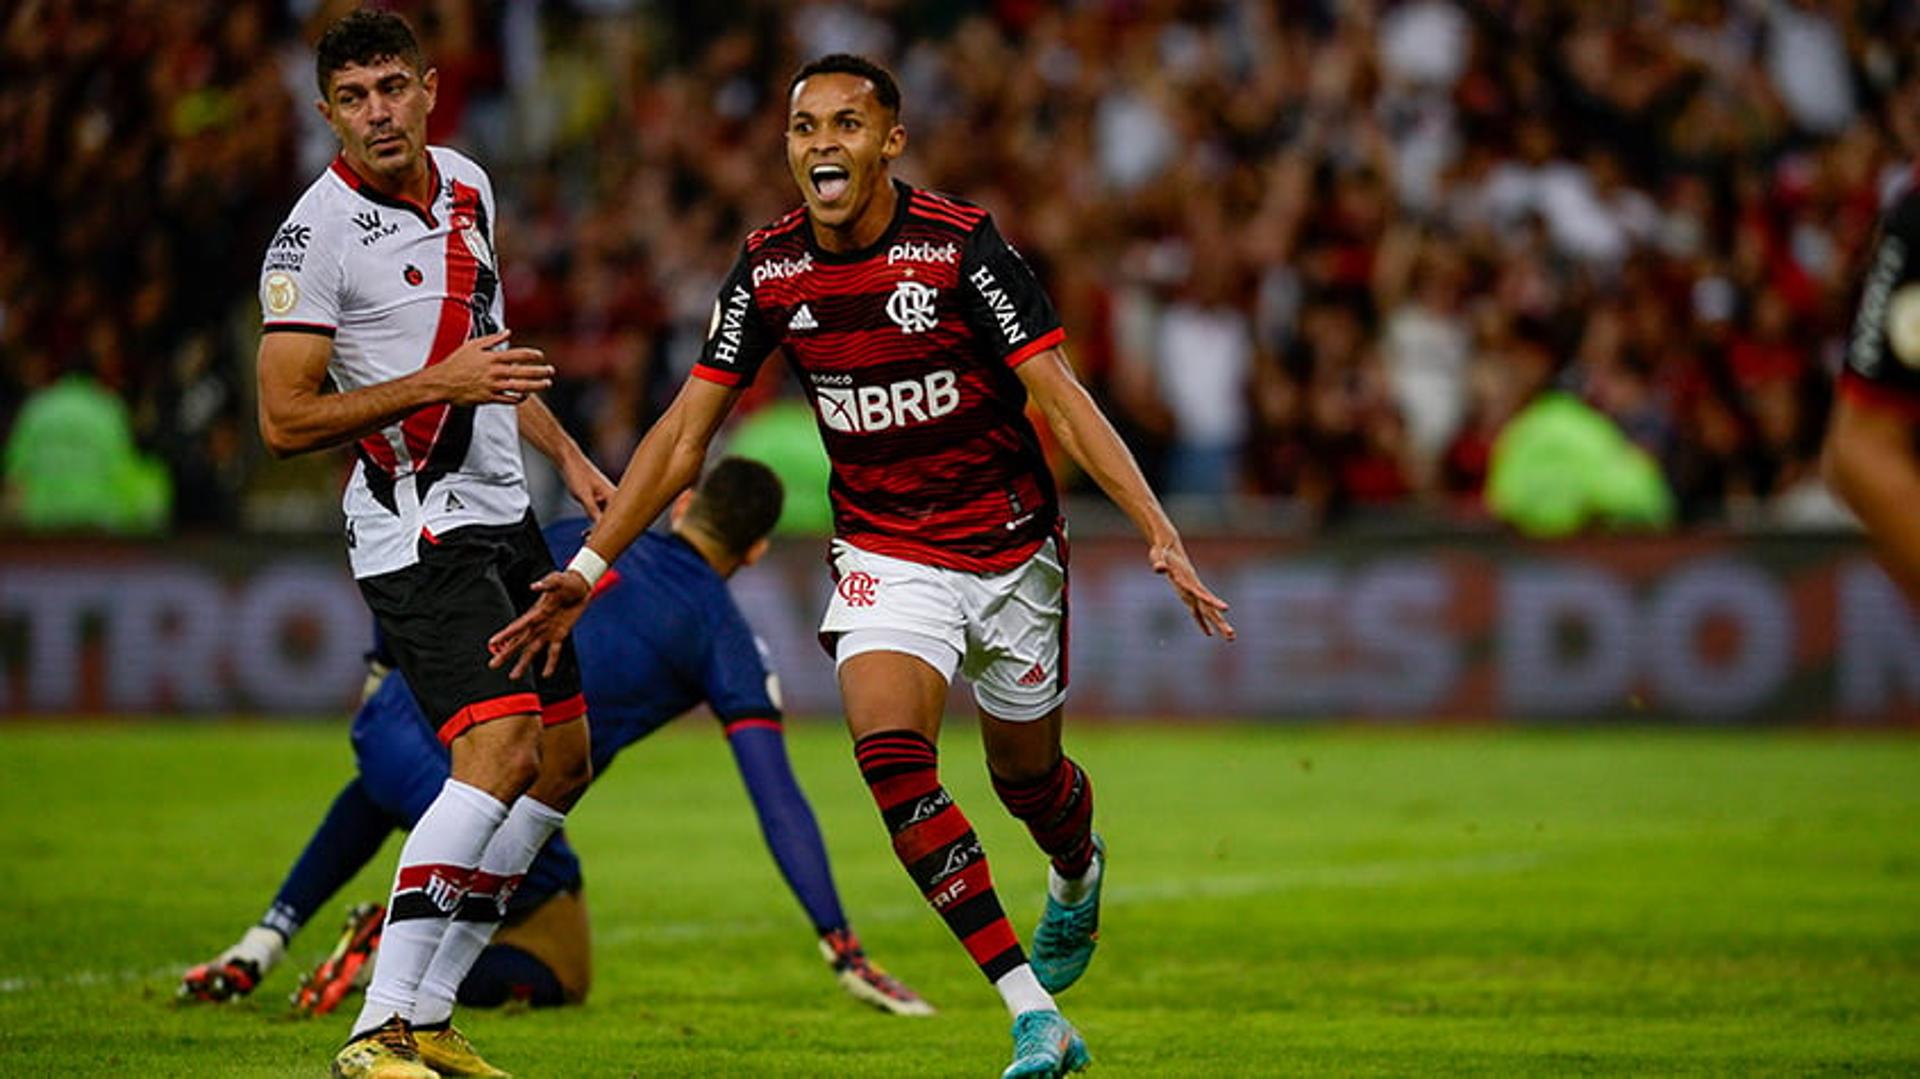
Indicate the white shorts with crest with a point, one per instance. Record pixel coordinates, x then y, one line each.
1005 632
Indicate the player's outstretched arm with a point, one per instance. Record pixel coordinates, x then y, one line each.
786 820
1871 464
297 417
667 460
585 482
1076 420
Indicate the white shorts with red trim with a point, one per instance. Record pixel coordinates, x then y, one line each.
1005 632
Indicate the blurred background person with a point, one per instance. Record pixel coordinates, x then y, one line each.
1683 190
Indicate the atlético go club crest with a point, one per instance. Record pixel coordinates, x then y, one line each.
911 306
478 246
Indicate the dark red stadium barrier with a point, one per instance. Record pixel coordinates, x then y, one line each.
1717 629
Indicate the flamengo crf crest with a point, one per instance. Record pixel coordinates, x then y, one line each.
911 306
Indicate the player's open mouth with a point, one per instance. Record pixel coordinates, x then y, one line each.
829 181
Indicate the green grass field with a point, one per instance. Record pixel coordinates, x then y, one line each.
1282 902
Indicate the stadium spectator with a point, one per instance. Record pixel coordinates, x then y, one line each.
1734 148
1203 358
70 465
949 553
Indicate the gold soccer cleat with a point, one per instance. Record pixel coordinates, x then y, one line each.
385 1052
450 1053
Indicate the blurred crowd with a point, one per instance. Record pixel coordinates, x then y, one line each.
1314 250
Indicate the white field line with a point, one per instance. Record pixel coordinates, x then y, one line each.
1358 875
86 979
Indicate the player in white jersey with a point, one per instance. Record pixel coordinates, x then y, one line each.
382 283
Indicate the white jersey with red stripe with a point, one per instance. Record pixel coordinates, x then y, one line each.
399 286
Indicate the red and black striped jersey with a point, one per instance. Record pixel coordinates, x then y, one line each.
908 350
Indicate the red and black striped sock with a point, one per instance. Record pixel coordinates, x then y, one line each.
934 841
1058 809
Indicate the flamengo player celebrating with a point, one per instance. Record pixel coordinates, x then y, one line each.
920 334
382 281
1871 457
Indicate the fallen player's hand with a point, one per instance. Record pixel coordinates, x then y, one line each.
544 627
1170 561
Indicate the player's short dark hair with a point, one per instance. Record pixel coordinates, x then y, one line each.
365 37
737 503
885 90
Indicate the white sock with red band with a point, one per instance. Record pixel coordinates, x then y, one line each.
435 866
505 861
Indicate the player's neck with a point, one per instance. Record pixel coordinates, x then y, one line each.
414 185
863 231
723 561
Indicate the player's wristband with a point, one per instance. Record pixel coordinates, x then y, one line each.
588 564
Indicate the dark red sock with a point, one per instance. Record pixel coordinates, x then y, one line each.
934 841
1058 809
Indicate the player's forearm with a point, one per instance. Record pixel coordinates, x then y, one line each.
665 463
1087 436
542 430
311 421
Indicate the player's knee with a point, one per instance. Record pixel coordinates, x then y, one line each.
501 757
1022 765
1022 759
506 773
575 766
563 778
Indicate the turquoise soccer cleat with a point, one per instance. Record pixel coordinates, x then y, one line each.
1063 943
1045 1046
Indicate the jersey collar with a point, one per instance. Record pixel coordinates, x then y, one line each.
904 195
687 550
367 191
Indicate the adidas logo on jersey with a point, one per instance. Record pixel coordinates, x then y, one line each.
454 503
803 319
1034 677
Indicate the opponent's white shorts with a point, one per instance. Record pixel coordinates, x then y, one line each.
1006 632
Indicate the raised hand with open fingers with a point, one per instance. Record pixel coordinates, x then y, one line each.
542 629
1208 610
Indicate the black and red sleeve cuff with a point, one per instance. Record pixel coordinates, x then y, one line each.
1035 347
732 725
1880 396
718 375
